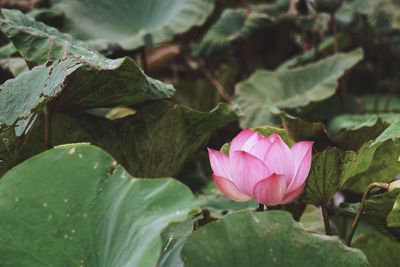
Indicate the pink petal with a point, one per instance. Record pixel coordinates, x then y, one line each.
271 190
229 189
246 170
219 163
291 196
261 148
279 159
240 139
252 141
272 137
302 154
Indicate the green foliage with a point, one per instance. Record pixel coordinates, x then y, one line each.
383 155
70 85
157 150
329 172
299 129
312 220
393 218
266 92
130 23
381 14
234 25
267 239
40 43
85 209
376 246
173 239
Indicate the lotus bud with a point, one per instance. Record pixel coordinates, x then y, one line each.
261 168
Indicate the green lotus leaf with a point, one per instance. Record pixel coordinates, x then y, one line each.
393 218
250 238
265 93
72 85
131 23
74 205
380 249
330 170
154 142
234 25
39 43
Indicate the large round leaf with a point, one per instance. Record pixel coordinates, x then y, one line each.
38 42
382 250
232 26
72 85
265 92
75 206
270 238
132 23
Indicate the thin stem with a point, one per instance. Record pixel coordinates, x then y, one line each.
334 30
27 62
260 207
354 225
143 59
210 77
47 127
326 220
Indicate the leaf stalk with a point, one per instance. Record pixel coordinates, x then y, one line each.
354 225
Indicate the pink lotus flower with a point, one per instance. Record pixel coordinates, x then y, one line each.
261 168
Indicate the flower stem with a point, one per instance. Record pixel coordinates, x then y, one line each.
260 207
211 78
349 237
326 220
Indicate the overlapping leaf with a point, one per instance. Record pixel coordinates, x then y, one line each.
264 239
265 92
393 219
174 238
299 130
381 14
330 170
85 81
234 25
381 250
312 220
74 205
71 84
351 131
131 23
80 80
39 43
154 142
380 156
